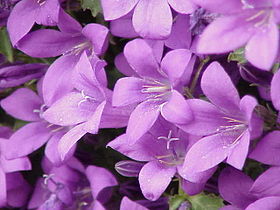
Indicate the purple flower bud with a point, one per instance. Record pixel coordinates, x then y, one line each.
128 168
15 75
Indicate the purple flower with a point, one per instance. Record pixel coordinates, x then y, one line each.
153 84
28 12
163 148
72 186
179 38
244 193
70 42
86 108
25 105
228 123
253 23
146 13
14 189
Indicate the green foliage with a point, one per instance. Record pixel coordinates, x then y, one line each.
204 201
5 45
175 201
238 56
93 5
201 201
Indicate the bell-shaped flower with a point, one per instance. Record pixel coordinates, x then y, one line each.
71 186
86 108
245 194
163 148
14 75
70 42
246 22
26 105
227 123
154 84
14 189
145 14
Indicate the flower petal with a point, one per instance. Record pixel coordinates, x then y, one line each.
98 35
48 43
18 190
275 87
174 64
206 118
146 19
123 27
127 204
99 179
271 203
145 149
57 81
267 184
176 110
224 34
180 37
128 91
18 164
262 48
51 150
182 6
114 9
234 187
154 178
3 188
141 58
123 66
219 89
23 10
240 151
48 13
142 119
206 153
69 110
22 103
74 135
30 137
267 150
232 6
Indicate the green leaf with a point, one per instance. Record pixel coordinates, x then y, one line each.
175 201
238 56
93 5
5 45
204 201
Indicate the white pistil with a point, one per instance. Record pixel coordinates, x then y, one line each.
169 139
85 98
47 178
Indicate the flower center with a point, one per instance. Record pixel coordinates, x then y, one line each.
172 158
233 131
78 49
40 111
156 89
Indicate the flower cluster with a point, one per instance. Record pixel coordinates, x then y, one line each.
179 95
